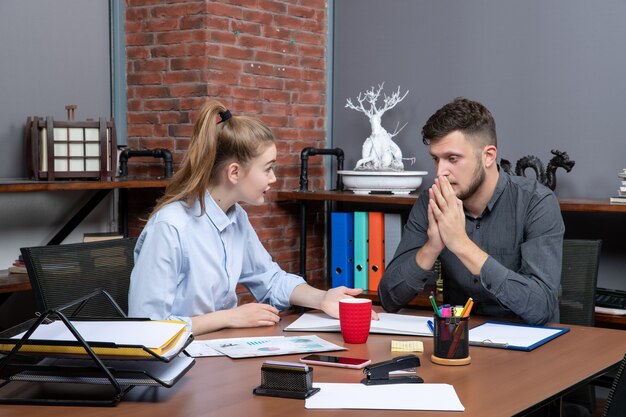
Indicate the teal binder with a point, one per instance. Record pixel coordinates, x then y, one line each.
360 250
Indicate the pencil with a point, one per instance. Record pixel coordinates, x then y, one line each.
469 309
432 301
469 301
458 334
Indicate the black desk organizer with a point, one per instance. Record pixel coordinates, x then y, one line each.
83 369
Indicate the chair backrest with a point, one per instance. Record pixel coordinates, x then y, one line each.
615 405
60 274
579 276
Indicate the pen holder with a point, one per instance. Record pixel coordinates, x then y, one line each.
286 380
451 341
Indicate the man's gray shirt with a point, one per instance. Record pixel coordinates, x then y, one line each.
522 232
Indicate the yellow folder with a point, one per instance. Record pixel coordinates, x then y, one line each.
119 338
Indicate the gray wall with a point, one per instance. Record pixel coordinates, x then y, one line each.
551 72
53 53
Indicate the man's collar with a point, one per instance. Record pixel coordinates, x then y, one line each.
503 181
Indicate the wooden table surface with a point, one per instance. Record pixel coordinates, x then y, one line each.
498 382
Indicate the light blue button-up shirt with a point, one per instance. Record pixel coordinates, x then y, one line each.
187 264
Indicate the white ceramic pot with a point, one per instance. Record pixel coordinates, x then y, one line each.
396 182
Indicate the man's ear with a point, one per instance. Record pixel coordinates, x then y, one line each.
490 154
233 172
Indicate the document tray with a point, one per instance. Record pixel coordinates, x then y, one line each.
59 368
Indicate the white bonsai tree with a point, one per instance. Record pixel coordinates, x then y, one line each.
380 152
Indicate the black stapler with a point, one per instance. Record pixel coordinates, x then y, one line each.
378 373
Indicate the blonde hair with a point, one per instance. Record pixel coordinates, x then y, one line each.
214 142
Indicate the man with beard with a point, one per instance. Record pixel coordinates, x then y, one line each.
499 238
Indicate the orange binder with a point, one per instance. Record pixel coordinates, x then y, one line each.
376 252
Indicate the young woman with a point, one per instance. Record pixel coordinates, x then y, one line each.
198 243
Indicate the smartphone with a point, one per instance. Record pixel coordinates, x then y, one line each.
342 362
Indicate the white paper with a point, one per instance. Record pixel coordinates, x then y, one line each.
200 348
611 311
247 347
387 324
141 372
151 334
428 397
509 335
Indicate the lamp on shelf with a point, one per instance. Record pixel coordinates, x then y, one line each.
70 149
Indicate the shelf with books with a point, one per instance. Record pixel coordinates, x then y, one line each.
13 282
405 202
567 204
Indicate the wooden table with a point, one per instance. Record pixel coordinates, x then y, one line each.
498 382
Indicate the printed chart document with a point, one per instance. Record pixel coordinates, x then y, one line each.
513 336
387 324
201 348
430 397
248 347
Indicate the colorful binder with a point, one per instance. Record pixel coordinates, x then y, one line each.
376 249
393 234
360 250
342 249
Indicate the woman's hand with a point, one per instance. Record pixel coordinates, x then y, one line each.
251 315
330 302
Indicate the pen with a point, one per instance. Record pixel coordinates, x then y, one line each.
431 326
490 344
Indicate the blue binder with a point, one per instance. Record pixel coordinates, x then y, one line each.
361 250
342 249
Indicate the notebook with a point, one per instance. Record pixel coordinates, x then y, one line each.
387 324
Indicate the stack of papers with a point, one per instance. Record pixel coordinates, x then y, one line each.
140 372
124 338
387 324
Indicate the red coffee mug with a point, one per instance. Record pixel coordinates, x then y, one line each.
355 317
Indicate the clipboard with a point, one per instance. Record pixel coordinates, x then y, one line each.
514 336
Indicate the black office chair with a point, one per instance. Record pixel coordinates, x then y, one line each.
615 405
577 300
579 276
60 274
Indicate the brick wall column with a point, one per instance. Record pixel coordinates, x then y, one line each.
262 58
